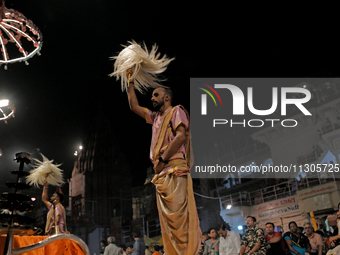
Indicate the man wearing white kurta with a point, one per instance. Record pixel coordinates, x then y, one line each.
230 241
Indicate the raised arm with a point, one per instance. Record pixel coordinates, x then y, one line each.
44 196
133 101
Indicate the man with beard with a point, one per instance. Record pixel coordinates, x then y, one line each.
253 241
230 241
275 243
56 216
170 155
297 242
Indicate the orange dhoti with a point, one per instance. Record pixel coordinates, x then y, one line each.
177 214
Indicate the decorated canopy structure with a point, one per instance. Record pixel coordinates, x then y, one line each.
20 39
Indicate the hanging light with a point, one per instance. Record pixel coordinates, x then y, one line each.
4 102
7 109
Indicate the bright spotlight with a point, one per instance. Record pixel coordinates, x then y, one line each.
240 227
80 147
6 108
4 102
228 207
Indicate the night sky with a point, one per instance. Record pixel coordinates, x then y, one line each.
59 93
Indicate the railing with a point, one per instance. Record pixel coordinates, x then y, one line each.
283 189
222 153
49 240
153 228
310 157
126 234
328 127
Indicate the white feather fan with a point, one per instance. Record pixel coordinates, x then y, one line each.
144 64
45 170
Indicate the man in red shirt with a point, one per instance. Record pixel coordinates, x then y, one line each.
275 243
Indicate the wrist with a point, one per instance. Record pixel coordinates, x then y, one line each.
131 84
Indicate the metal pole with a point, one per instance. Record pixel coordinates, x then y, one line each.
9 241
121 215
143 227
314 221
147 229
51 239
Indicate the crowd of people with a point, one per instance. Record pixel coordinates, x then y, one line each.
257 241
138 248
